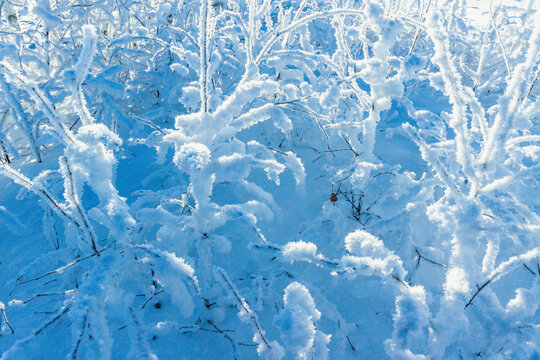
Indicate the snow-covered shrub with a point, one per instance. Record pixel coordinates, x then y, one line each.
196 160
298 324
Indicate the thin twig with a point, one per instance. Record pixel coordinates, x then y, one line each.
39 191
74 355
260 235
52 321
70 187
528 268
62 268
203 47
492 20
245 307
150 299
420 256
49 294
6 320
478 289
350 343
222 332
532 84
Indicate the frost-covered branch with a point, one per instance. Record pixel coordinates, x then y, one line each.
38 190
503 269
204 48
19 116
81 72
509 102
266 349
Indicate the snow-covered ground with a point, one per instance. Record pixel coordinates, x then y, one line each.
269 179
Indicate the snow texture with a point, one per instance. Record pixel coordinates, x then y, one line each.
273 179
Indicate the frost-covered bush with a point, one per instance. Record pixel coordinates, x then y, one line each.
199 165
298 326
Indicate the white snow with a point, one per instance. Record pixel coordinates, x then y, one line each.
270 179
300 251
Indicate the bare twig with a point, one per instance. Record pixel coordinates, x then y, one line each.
420 257
350 343
6 320
478 289
74 355
222 332
528 268
49 215
150 299
61 313
307 110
